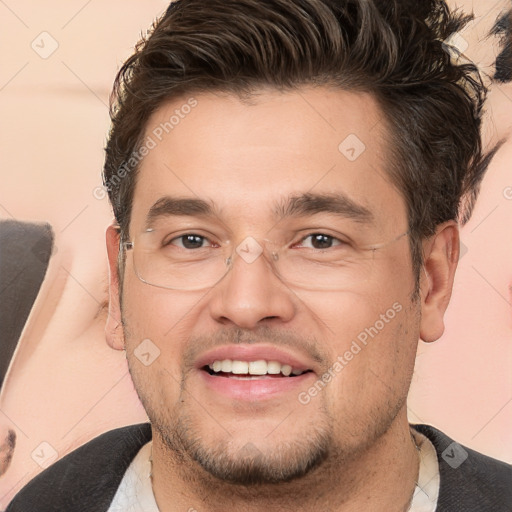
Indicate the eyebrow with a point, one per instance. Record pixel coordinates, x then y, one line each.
334 203
177 206
301 205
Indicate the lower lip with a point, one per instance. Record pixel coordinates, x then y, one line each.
255 389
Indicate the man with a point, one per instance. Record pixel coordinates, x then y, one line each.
286 178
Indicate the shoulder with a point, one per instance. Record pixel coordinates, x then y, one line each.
470 481
87 478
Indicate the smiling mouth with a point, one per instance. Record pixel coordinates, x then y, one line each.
252 370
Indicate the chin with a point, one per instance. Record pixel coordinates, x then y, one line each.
246 459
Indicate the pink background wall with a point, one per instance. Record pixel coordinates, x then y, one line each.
65 384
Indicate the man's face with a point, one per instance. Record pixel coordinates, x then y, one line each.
244 160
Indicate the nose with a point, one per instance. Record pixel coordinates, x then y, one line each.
251 294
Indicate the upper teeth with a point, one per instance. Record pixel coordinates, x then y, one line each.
260 367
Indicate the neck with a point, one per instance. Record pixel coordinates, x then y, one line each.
383 477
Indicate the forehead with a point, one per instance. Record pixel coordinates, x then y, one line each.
246 156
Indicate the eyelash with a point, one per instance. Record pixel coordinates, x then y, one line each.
301 241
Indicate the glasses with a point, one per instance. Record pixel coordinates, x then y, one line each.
193 260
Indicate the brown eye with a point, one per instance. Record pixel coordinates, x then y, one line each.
320 241
189 241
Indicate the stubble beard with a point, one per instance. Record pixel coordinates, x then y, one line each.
249 464
317 449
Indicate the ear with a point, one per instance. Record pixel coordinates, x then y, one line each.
440 258
113 328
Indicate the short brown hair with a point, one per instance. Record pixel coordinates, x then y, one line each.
393 49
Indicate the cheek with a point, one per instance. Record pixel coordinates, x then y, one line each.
157 324
371 309
373 335
157 313
376 367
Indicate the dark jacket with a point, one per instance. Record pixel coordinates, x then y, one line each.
87 479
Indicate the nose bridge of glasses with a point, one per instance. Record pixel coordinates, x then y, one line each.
251 249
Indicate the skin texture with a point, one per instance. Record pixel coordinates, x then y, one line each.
462 384
244 158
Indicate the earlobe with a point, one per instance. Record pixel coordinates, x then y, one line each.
113 329
441 254
114 332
